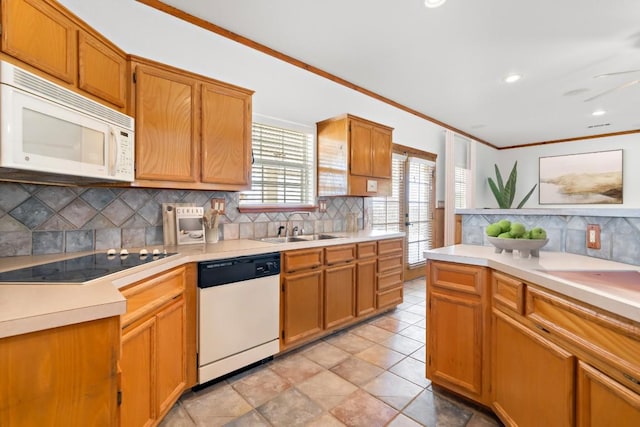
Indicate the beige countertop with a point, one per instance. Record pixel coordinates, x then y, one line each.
32 307
619 298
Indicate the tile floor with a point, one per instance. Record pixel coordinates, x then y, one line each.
369 375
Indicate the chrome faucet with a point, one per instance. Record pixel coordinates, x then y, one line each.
294 230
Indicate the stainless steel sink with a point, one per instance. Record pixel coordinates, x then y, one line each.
282 239
317 237
300 238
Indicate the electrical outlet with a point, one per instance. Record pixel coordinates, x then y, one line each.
593 236
217 205
322 206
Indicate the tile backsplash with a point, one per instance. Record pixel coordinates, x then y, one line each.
43 219
620 236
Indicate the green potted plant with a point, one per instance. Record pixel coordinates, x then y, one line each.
504 193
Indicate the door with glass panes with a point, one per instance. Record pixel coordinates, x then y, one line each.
410 208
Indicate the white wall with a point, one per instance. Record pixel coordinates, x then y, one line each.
282 91
528 159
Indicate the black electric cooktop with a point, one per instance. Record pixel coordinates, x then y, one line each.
78 270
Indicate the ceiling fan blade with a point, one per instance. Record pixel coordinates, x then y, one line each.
622 86
618 73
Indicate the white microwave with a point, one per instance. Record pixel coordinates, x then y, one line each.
51 134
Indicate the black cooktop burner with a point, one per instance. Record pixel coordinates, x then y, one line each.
78 270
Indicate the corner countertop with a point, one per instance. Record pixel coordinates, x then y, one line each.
32 307
623 300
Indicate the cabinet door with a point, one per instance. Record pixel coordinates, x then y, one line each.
101 70
455 347
533 379
165 127
339 295
602 401
41 36
226 137
170 354
365 287
138 375
381 147
360 139
302 305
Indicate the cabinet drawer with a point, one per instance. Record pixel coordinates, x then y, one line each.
301 260
392 279
457 277
148 295
391 246
367 250
338 254
508 292
388 263
389 298
601 335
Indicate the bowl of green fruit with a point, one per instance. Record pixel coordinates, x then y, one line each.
507 236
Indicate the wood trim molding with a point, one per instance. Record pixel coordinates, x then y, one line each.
171 10
403 149
163 7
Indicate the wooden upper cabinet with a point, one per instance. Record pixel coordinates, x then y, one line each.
102 71
354 157
226 136
191 132
166 135
41 36
50 40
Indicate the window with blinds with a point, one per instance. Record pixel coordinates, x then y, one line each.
462 177
283 168
410 206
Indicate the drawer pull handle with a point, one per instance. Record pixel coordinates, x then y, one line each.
543 329
630 378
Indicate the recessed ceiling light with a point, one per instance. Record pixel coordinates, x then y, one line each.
598 113
434 3
512 78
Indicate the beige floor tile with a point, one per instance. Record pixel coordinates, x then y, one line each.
250 419
393 390
382 356
415 332
412 370
290 409
349 342
362 409
327 420
482 420
420 354
402 344
260 386
412 298
327 389
390 324
417 309
357 371
177 417
295 368
216 405
403 421
405 316
325 354
433 410
371 333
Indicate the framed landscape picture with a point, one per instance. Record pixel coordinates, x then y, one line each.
593 178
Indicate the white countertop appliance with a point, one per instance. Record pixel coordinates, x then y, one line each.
49 133
238 313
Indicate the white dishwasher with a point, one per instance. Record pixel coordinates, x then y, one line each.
238 313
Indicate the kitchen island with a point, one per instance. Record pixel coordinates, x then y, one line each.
553 340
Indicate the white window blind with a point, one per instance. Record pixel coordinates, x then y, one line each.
388 212
283 167
462 177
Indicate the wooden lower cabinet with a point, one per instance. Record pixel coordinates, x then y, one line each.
455 340
301 306
154 348
366 286
65 376
339 295
533 379
602 401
